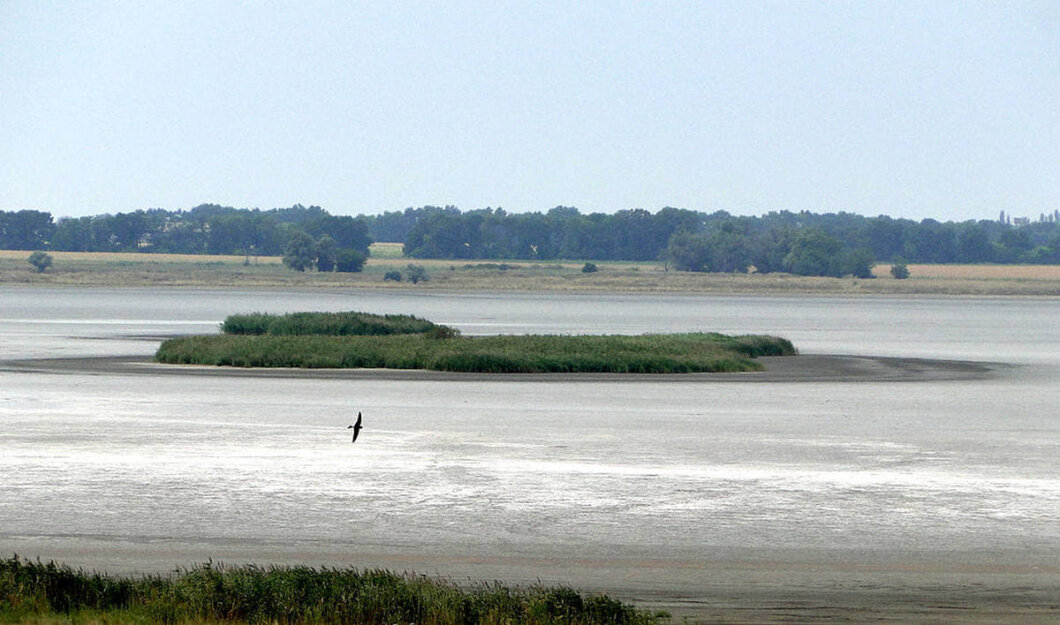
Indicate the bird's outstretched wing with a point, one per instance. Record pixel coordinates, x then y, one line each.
356 428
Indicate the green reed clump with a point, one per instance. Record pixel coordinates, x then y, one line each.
650 353
755 345
254 323
250 594
325 323
34 587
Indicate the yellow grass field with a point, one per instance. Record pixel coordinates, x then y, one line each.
133 257
977 272
387 250
180 270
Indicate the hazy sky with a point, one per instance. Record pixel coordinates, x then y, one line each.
913 109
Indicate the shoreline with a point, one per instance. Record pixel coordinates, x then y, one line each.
118 270
735 586
778 369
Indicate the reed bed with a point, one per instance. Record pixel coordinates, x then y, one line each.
44 593
326 323
650 353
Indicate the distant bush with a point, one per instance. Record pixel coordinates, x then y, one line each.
416 274
40 261
899 270
392 276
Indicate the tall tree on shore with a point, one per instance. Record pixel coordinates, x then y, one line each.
300 251
25 230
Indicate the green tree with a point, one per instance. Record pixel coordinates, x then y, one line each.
327 253
815 253
858 263
40 260
885 236
348 232
300 251
899 269
416 274
25 230
1012 245
349 261
247 233
687 252
771 248
439 235
129 230
729 249
633 232
72 234
973 244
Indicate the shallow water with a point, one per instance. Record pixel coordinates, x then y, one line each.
965 471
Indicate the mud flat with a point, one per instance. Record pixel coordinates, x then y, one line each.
803 368
750 584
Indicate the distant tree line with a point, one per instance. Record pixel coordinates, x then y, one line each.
803 243
205 229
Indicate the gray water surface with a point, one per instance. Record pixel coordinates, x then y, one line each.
124 469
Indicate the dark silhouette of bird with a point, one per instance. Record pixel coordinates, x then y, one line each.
356 428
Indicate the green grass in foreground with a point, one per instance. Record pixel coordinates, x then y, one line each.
32 592
649 353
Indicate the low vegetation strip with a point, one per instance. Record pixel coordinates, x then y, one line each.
649 353
325 323
170 270
51 593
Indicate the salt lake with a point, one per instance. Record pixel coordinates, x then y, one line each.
637 485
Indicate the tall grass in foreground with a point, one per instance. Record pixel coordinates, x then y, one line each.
326 323
32 591
649 353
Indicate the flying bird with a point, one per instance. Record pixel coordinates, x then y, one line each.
356 427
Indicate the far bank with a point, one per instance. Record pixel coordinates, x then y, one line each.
175 270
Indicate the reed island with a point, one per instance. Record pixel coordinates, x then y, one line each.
362 340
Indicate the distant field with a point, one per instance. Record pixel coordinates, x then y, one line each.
387 250
120 270
134 257
978 272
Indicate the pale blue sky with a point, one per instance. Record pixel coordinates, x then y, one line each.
947 110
